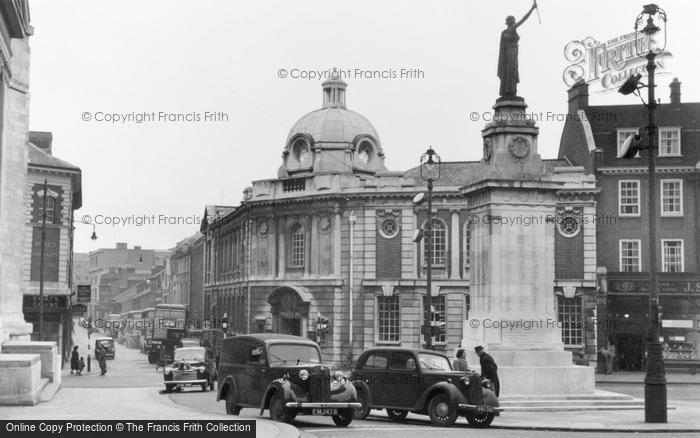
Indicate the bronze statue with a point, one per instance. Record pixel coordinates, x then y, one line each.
508 55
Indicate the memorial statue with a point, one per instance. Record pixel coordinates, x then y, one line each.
508 55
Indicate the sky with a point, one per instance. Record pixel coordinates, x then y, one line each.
217 67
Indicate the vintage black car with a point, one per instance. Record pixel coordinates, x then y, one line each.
284 374
403 380
191 366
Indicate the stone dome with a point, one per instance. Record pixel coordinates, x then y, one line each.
332 139
333 124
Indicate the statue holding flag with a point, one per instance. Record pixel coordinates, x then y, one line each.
508 55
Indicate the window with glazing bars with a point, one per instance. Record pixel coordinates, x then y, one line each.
298 246
388 319
439 244
571 319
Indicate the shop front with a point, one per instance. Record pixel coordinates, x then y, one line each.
58 322
628 308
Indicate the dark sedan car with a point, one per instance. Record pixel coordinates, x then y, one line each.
403 380
191 366
284 374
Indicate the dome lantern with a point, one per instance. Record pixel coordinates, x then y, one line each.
334 91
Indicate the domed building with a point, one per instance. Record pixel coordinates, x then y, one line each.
326 249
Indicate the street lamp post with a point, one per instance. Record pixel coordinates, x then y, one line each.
430 172
655 404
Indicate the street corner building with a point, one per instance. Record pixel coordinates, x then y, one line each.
592 139
327 250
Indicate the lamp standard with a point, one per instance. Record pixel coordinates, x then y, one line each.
430 164
647 45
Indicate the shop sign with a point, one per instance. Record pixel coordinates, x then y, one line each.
84 293
51 302
79 309
665 287
677 323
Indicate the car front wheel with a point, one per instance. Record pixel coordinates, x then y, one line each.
480 420
231 402
397 414
441 410
344 417
278 411
362 412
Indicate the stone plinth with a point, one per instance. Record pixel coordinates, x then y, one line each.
50 360
20 379
512 303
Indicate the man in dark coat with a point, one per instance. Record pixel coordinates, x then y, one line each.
75 360
102 359
489 369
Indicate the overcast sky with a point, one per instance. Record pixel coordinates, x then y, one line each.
224 56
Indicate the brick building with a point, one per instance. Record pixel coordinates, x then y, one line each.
335 220
592 138
63 192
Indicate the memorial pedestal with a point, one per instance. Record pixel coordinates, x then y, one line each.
513 311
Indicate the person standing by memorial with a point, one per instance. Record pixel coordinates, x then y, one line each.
489 369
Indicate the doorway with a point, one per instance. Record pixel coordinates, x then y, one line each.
290 326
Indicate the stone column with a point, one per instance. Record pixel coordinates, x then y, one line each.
281 247
314 247
336 244
454 247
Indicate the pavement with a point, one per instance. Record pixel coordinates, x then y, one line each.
673 377
132 390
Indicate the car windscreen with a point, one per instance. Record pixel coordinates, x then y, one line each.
193 354
293 354
106 342
434 362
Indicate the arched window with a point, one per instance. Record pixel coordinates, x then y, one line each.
439 244
298 246
364 152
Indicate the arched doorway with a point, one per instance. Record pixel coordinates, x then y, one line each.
290 310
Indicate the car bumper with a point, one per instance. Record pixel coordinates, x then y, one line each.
479 408
331 405
185 382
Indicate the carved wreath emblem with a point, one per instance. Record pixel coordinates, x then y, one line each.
262 227
488 149
519 147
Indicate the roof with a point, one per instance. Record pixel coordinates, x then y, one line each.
272 337
40 159
334 125
212 213
414 350
37 157
462 173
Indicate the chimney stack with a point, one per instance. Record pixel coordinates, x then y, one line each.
42 140
578 96
675 92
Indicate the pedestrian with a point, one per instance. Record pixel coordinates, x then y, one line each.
608 353
460 363
489 369
81 366
74 360
101 357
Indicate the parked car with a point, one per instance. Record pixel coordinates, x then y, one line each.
403 380
108 344
191 366
284 374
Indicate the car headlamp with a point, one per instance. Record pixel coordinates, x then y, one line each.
304 374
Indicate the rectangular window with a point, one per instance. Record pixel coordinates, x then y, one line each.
437 315
622 135
630 255
467 306
671 197
672 255
388 319
628 197
571 319
669 142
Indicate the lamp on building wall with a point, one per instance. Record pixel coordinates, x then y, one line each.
649 44
430 168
